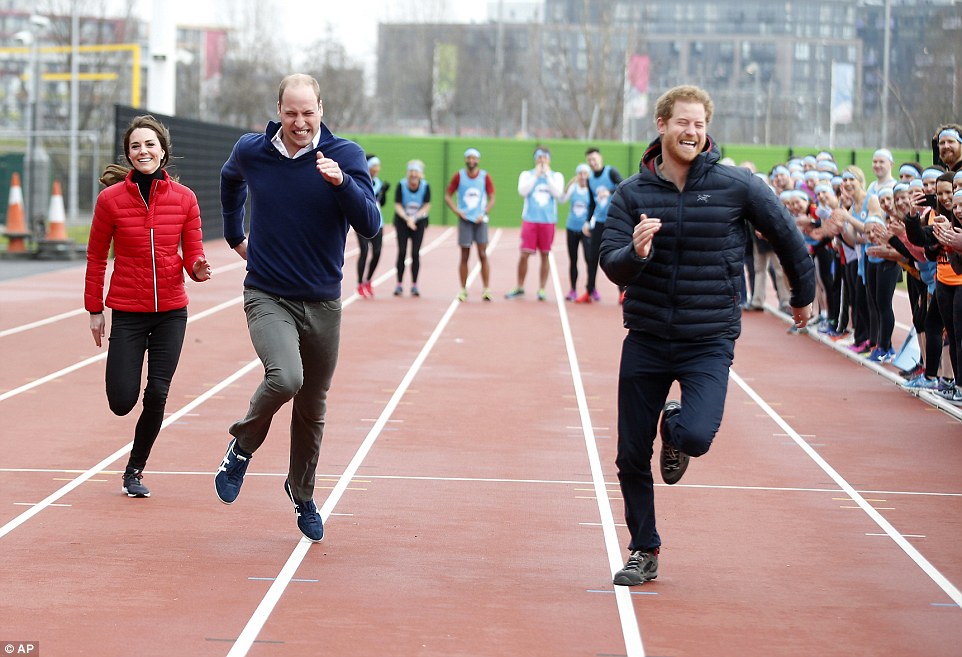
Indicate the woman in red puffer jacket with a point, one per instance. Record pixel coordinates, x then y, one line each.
149 218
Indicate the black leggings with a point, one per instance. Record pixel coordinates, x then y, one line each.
950 305
362 245
575 239
594 254
132 335
933 337
405 234
880 281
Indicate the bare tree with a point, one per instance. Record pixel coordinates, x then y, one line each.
254 63
583 74
346 105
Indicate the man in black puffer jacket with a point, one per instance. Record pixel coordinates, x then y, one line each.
675 238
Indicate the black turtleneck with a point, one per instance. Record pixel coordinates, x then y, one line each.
145 180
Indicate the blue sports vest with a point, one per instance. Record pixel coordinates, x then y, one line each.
472 195
540 206
412 201
602 187
578 211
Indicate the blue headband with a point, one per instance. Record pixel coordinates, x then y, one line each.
541 153
900 187
957 176
915 183
931 174
884 152
848 175
371 161
910 170
582 167
823 188
885 191
952 133
415 166
473 151
957 194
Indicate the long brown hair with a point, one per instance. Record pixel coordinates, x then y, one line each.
114 173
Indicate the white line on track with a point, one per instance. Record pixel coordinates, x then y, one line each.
286 574
192 318
102 355
495 480
80 311
173 417
95 470
41 322
626 611
940 580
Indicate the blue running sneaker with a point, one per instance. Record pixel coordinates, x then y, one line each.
230 474
308 519
921 382
876 355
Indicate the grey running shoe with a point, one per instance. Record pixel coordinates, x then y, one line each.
132 483
673 462
641 567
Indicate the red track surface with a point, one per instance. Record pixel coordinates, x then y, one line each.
458 474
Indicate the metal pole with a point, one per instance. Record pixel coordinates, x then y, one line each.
887 44
73 173
31 139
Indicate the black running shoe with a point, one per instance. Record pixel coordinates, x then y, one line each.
133 485
641 567
673 462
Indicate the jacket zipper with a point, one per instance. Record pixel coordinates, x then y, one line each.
153 252
153 266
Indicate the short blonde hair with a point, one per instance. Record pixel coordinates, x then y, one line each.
685 92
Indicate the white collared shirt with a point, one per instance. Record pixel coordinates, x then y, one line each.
282 149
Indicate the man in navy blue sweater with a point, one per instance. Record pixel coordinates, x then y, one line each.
307 187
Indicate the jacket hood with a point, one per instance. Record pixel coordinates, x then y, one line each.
708 156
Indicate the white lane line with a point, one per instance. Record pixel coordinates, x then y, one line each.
192 318
95 470
173 417
102 355
626 611
81 311
496 480
257 620
41 322
940 580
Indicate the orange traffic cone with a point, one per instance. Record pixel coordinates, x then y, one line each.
16 230
56 216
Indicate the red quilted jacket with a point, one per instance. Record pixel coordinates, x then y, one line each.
148 268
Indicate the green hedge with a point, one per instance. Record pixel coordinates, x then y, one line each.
505 159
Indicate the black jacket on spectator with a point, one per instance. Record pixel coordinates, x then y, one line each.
688 286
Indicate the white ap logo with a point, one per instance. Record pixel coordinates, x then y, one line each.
703 198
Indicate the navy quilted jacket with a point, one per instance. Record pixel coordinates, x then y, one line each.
688 288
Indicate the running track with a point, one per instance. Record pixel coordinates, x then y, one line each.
469 491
